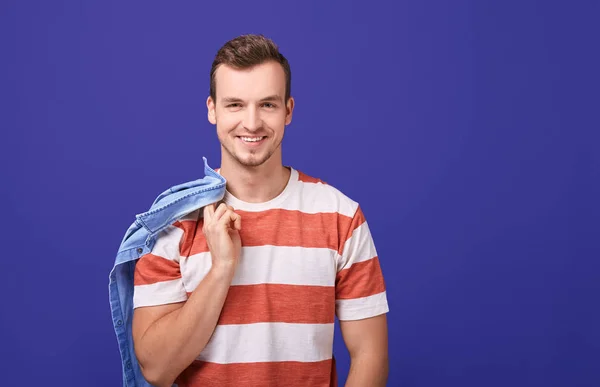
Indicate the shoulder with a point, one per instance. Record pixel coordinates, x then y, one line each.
191 216
188 224
324 196
182 228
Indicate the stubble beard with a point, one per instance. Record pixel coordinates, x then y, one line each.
251 161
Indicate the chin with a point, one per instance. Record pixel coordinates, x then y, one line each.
252 161
248 158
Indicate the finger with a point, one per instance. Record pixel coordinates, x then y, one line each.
237 221
219 203
235 218
209 211
220 211
228 217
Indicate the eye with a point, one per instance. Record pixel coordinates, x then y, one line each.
269 105
233 105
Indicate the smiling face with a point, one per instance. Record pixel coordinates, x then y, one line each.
250 113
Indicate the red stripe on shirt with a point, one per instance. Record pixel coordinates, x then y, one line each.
362 279
187 241
302 230
308 179
299 304
151 269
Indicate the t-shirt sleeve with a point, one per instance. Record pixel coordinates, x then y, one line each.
157 278
359 286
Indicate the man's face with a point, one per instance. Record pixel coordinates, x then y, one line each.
250 112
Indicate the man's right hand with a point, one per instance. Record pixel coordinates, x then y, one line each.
221 229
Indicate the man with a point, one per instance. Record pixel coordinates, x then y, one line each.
245 292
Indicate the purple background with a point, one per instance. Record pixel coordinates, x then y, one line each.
467 130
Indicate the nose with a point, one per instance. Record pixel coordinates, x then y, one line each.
252 120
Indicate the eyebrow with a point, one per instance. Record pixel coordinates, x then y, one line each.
231 99
274 97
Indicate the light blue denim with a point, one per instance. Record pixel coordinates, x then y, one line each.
169 206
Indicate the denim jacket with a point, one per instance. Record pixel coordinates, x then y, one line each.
169 206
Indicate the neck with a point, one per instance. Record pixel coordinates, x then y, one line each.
254 184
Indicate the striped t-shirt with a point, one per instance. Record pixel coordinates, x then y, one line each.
307 256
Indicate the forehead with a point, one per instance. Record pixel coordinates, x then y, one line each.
253 83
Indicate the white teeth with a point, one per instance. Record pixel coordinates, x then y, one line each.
252 139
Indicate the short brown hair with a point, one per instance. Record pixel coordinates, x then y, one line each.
247 51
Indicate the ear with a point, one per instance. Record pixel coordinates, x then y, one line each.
210 104
289 110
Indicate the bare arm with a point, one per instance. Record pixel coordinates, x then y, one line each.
367 343
168 338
